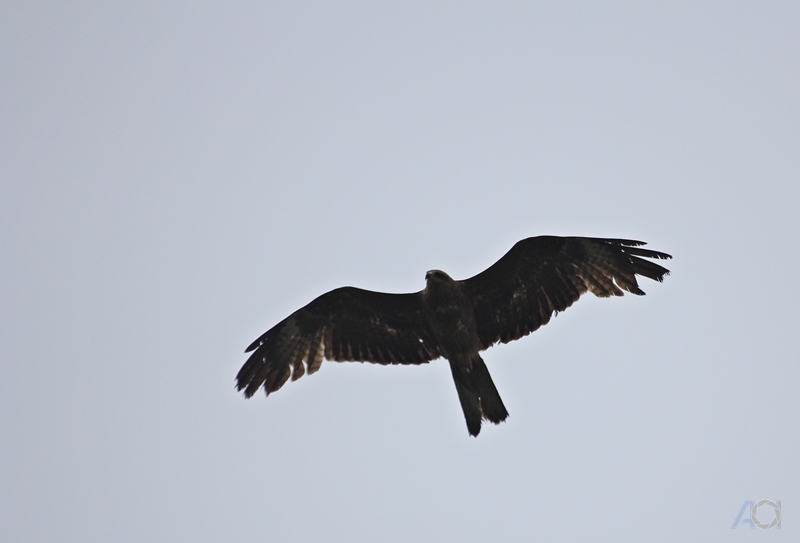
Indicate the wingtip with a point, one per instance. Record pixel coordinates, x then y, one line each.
241 386
253 346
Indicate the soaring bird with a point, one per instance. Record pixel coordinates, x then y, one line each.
537 278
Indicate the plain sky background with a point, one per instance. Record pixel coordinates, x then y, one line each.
175 178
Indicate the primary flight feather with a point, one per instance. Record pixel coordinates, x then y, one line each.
456 320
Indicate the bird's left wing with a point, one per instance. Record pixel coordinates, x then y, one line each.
543 275
346 324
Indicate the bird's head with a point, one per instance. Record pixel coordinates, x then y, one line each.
437 276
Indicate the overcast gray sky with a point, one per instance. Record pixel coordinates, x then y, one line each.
177 178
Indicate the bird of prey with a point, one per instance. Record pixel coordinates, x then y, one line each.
537 278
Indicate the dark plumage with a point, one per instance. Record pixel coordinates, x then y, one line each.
453 319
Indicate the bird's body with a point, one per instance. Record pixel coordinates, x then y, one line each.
448 310
452 319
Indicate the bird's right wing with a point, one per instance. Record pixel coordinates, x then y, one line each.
543 275
346 324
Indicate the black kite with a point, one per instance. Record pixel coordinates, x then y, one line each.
456 320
